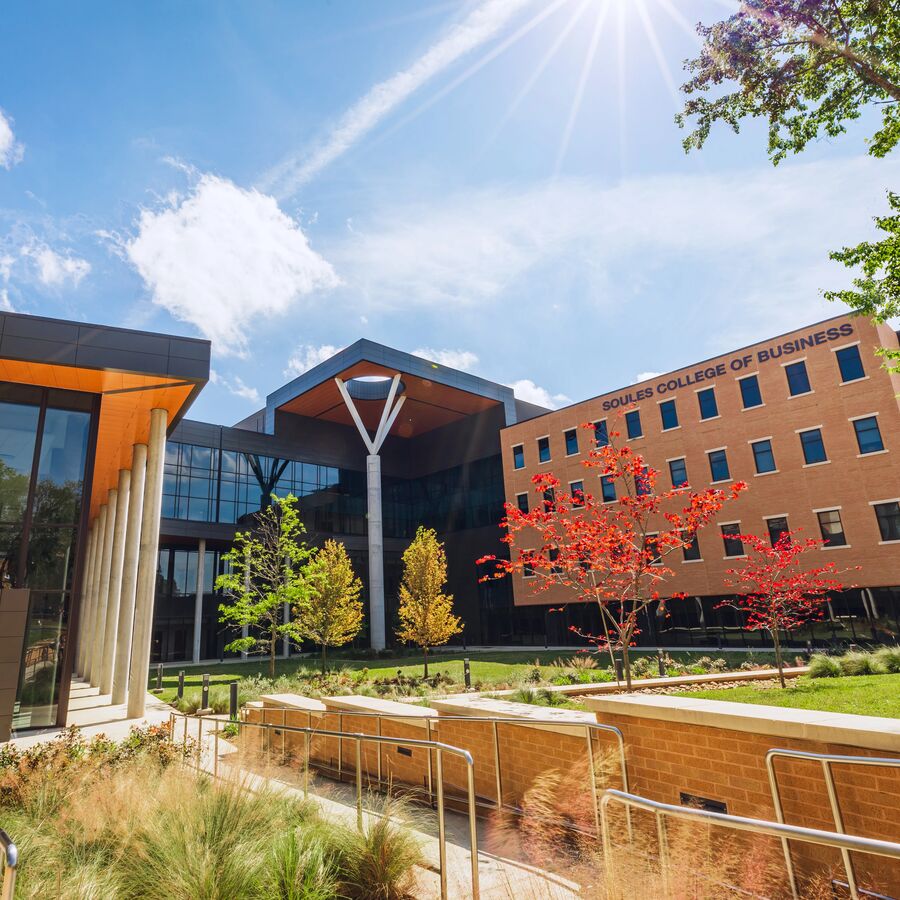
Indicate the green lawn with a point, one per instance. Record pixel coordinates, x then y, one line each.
867 695
492 669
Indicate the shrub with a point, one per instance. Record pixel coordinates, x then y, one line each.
859 664
888 659
821 666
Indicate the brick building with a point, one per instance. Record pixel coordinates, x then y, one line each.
809 420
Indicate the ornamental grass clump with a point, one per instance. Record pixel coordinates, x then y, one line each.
821 666
888 659
859 664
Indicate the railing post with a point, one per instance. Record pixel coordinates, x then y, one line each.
283 737
306 768
199 741
473 828
607 850
442 831
430 775
663 855
378 749
359 805
779 815
497 776
839 826
216 753
593 771
340 748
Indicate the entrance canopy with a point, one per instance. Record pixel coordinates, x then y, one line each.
435 395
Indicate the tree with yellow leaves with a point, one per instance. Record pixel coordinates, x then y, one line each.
333 614
426 612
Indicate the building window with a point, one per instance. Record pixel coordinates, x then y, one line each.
850 363
642 485
651 546
763 456
797 379
633 424
571 441
678 471
543 449
576 489
731 538
813 446
750 393
692 550
709 409
669 414
718 465
601 436
868 435
518 457
527 565
522 502
888 515
607 488
777 526
549 499
831 528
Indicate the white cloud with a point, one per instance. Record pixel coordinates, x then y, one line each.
55 269
6 264
525 389
222 258
464 360
235 386
11 151
306 357
756 240
645 376
482 24
5 305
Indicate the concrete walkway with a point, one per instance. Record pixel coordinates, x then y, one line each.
94 714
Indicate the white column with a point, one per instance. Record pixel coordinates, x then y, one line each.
103 589
129 574
198 597
147 566
286 641
376 553
111 628
94 590
83 597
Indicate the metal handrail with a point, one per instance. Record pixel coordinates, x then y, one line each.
826 759
495 722
11 860
436 746
738 823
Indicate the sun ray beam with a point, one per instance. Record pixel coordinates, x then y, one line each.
656 47
602 14
479 64
680 20
545 61
622 78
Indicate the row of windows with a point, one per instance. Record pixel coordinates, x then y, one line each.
798 383
831 528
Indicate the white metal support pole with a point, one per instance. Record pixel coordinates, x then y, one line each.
100 526
198 598
129 574
115 582
147 566
85 593
103 589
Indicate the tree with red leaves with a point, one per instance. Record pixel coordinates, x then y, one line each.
776 592
610 553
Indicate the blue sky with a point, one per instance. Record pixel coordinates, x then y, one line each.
498 183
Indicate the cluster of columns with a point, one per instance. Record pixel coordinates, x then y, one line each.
119 586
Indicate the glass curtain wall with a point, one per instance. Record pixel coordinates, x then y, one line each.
43 449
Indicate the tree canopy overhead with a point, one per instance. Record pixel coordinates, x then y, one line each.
807 66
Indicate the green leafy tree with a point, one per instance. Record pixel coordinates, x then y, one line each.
809 67
806 66
426 612
267 568
877 292
333 614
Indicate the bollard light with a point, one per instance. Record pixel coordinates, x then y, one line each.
181 684
158 677
467 674
620 670
661 663
204 695
233 701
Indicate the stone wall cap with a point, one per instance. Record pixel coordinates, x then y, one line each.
401 712
870 732
293 701
546 718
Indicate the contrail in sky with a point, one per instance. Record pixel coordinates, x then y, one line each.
482 24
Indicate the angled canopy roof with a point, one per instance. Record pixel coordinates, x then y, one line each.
435 395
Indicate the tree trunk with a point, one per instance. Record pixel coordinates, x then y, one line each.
626 665
324 663
779 662
425 652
